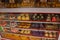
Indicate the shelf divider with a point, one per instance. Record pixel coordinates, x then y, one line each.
33 10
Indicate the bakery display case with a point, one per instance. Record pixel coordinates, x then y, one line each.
29 19
29 26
